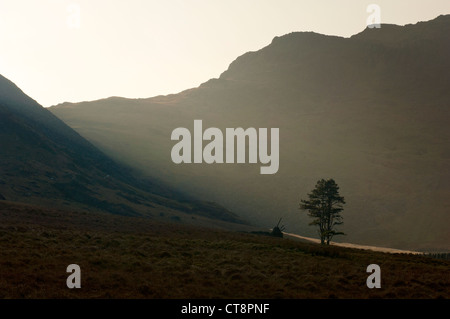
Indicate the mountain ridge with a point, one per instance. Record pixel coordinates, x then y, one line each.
370 115
367 32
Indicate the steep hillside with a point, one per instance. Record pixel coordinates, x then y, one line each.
370 111
43 161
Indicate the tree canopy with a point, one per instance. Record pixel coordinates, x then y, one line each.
325 205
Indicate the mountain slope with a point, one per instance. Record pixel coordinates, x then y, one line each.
43 161
370 111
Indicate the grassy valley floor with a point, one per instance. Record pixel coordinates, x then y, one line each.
128 257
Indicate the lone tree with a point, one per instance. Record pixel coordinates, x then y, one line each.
325 205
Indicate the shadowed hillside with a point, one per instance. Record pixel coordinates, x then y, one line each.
370 111
43 161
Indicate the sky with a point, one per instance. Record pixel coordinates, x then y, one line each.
80 50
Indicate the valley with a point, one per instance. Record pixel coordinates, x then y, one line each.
127 190
370 111
124 257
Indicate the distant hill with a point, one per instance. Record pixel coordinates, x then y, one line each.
44 162
370 111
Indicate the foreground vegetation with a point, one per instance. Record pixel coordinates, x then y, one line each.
133 257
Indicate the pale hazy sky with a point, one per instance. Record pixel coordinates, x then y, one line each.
78 50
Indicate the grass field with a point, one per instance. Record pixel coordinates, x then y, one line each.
131 257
